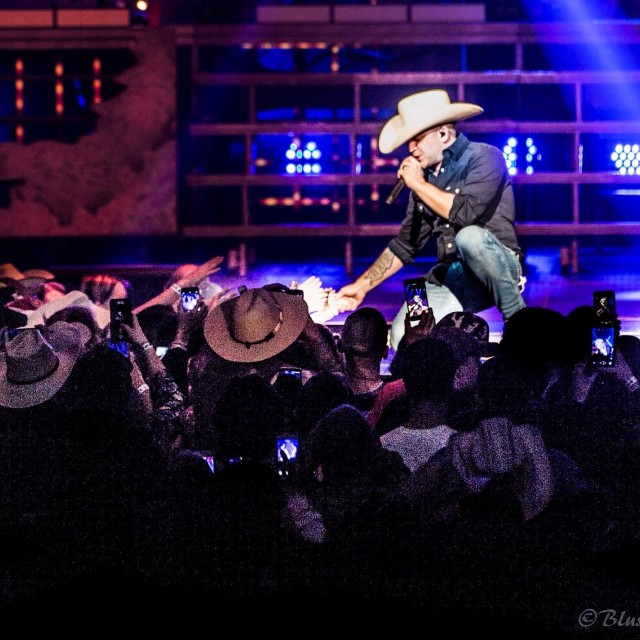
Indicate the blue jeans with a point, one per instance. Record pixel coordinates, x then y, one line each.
486 274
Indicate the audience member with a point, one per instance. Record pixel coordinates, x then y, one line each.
364 342
102 287
429 370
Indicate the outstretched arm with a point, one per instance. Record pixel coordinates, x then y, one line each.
170 295
352 295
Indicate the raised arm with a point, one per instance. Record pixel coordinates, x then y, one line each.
170 295
171 423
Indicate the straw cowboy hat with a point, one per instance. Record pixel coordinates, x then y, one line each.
71 299
32 277
419 112
256 325
31 370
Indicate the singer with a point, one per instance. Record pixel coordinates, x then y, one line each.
461 194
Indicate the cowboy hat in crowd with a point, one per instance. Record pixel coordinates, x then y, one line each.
10 275
71 299
35 363
256 325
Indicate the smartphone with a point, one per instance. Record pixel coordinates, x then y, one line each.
296 292
121 313
415 295
291 371
603 346
286 452
189 297
603 331
604 308
207 456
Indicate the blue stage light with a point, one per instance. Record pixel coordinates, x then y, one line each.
306 151
626 158
530 157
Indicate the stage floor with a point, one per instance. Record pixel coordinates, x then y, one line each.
546 285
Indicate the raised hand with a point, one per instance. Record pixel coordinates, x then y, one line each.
134 333
190 321
349 298
330 309
314 294
426 324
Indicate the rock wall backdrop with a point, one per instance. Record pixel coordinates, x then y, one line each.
119 180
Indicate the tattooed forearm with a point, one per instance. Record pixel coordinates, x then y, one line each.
379 267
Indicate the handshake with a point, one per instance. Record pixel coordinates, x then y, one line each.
324 302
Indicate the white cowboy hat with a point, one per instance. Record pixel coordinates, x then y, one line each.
419 112
71 299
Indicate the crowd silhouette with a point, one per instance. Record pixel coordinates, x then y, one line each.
483 484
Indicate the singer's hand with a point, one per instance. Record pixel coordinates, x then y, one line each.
349 298
411 172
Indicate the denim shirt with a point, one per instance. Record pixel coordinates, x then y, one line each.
477 175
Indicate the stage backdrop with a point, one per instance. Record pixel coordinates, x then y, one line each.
118 179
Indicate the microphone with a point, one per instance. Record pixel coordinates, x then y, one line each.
395 192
